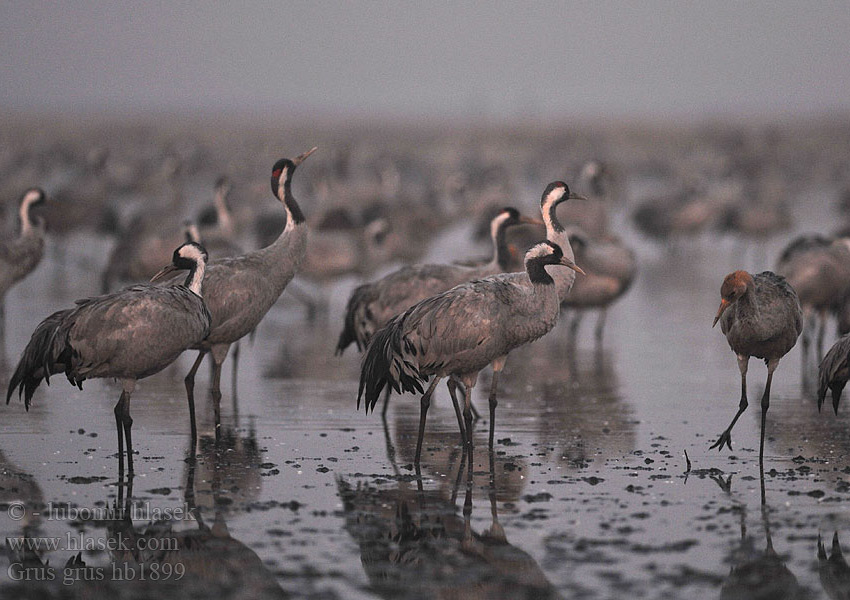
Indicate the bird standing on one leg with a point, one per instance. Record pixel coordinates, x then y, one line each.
127 335
459 332
760 316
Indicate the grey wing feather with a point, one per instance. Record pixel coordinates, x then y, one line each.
458 331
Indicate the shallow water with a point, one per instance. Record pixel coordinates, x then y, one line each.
587 494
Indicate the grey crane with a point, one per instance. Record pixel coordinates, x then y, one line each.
553 195
128 335
21 255
240 290
834 371
373 304
819 270
220 239
760 316
611 268
459 332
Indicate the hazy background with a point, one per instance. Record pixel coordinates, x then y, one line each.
482 59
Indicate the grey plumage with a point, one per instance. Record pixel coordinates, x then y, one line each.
373 304
20 256
819 271
220 238
760 316
834 371
459 332
610 267
128 335
240 290
765 320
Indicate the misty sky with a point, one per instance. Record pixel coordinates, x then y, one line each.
494 59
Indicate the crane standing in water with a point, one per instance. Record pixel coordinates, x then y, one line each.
459 332
760 316
127 335
240 290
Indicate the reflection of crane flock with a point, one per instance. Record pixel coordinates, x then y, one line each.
416 323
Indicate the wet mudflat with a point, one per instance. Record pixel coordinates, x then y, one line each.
585 496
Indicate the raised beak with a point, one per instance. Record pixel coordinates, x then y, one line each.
574 196
301 157
724 304
529 221
165 272
570 264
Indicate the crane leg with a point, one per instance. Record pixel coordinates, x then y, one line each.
190 395
386 402
235 377
475 414
807 335
600 325
821 334
467 415
498 365
124 424
424 403
127 421
219 353
118 411
726 437
574 323
452 385
765 404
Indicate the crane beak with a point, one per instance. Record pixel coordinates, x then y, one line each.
574 196
301 157
165 272
529 221
724 304
570 264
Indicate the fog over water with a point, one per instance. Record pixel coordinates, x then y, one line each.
493 59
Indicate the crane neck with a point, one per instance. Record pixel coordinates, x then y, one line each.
501 252
27 223
195 279
225 221
502 256
536 270
555 232
294 216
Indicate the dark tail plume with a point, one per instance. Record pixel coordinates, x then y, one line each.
43 356
385 364
347 335
356 304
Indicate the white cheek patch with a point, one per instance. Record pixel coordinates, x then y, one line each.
283 174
